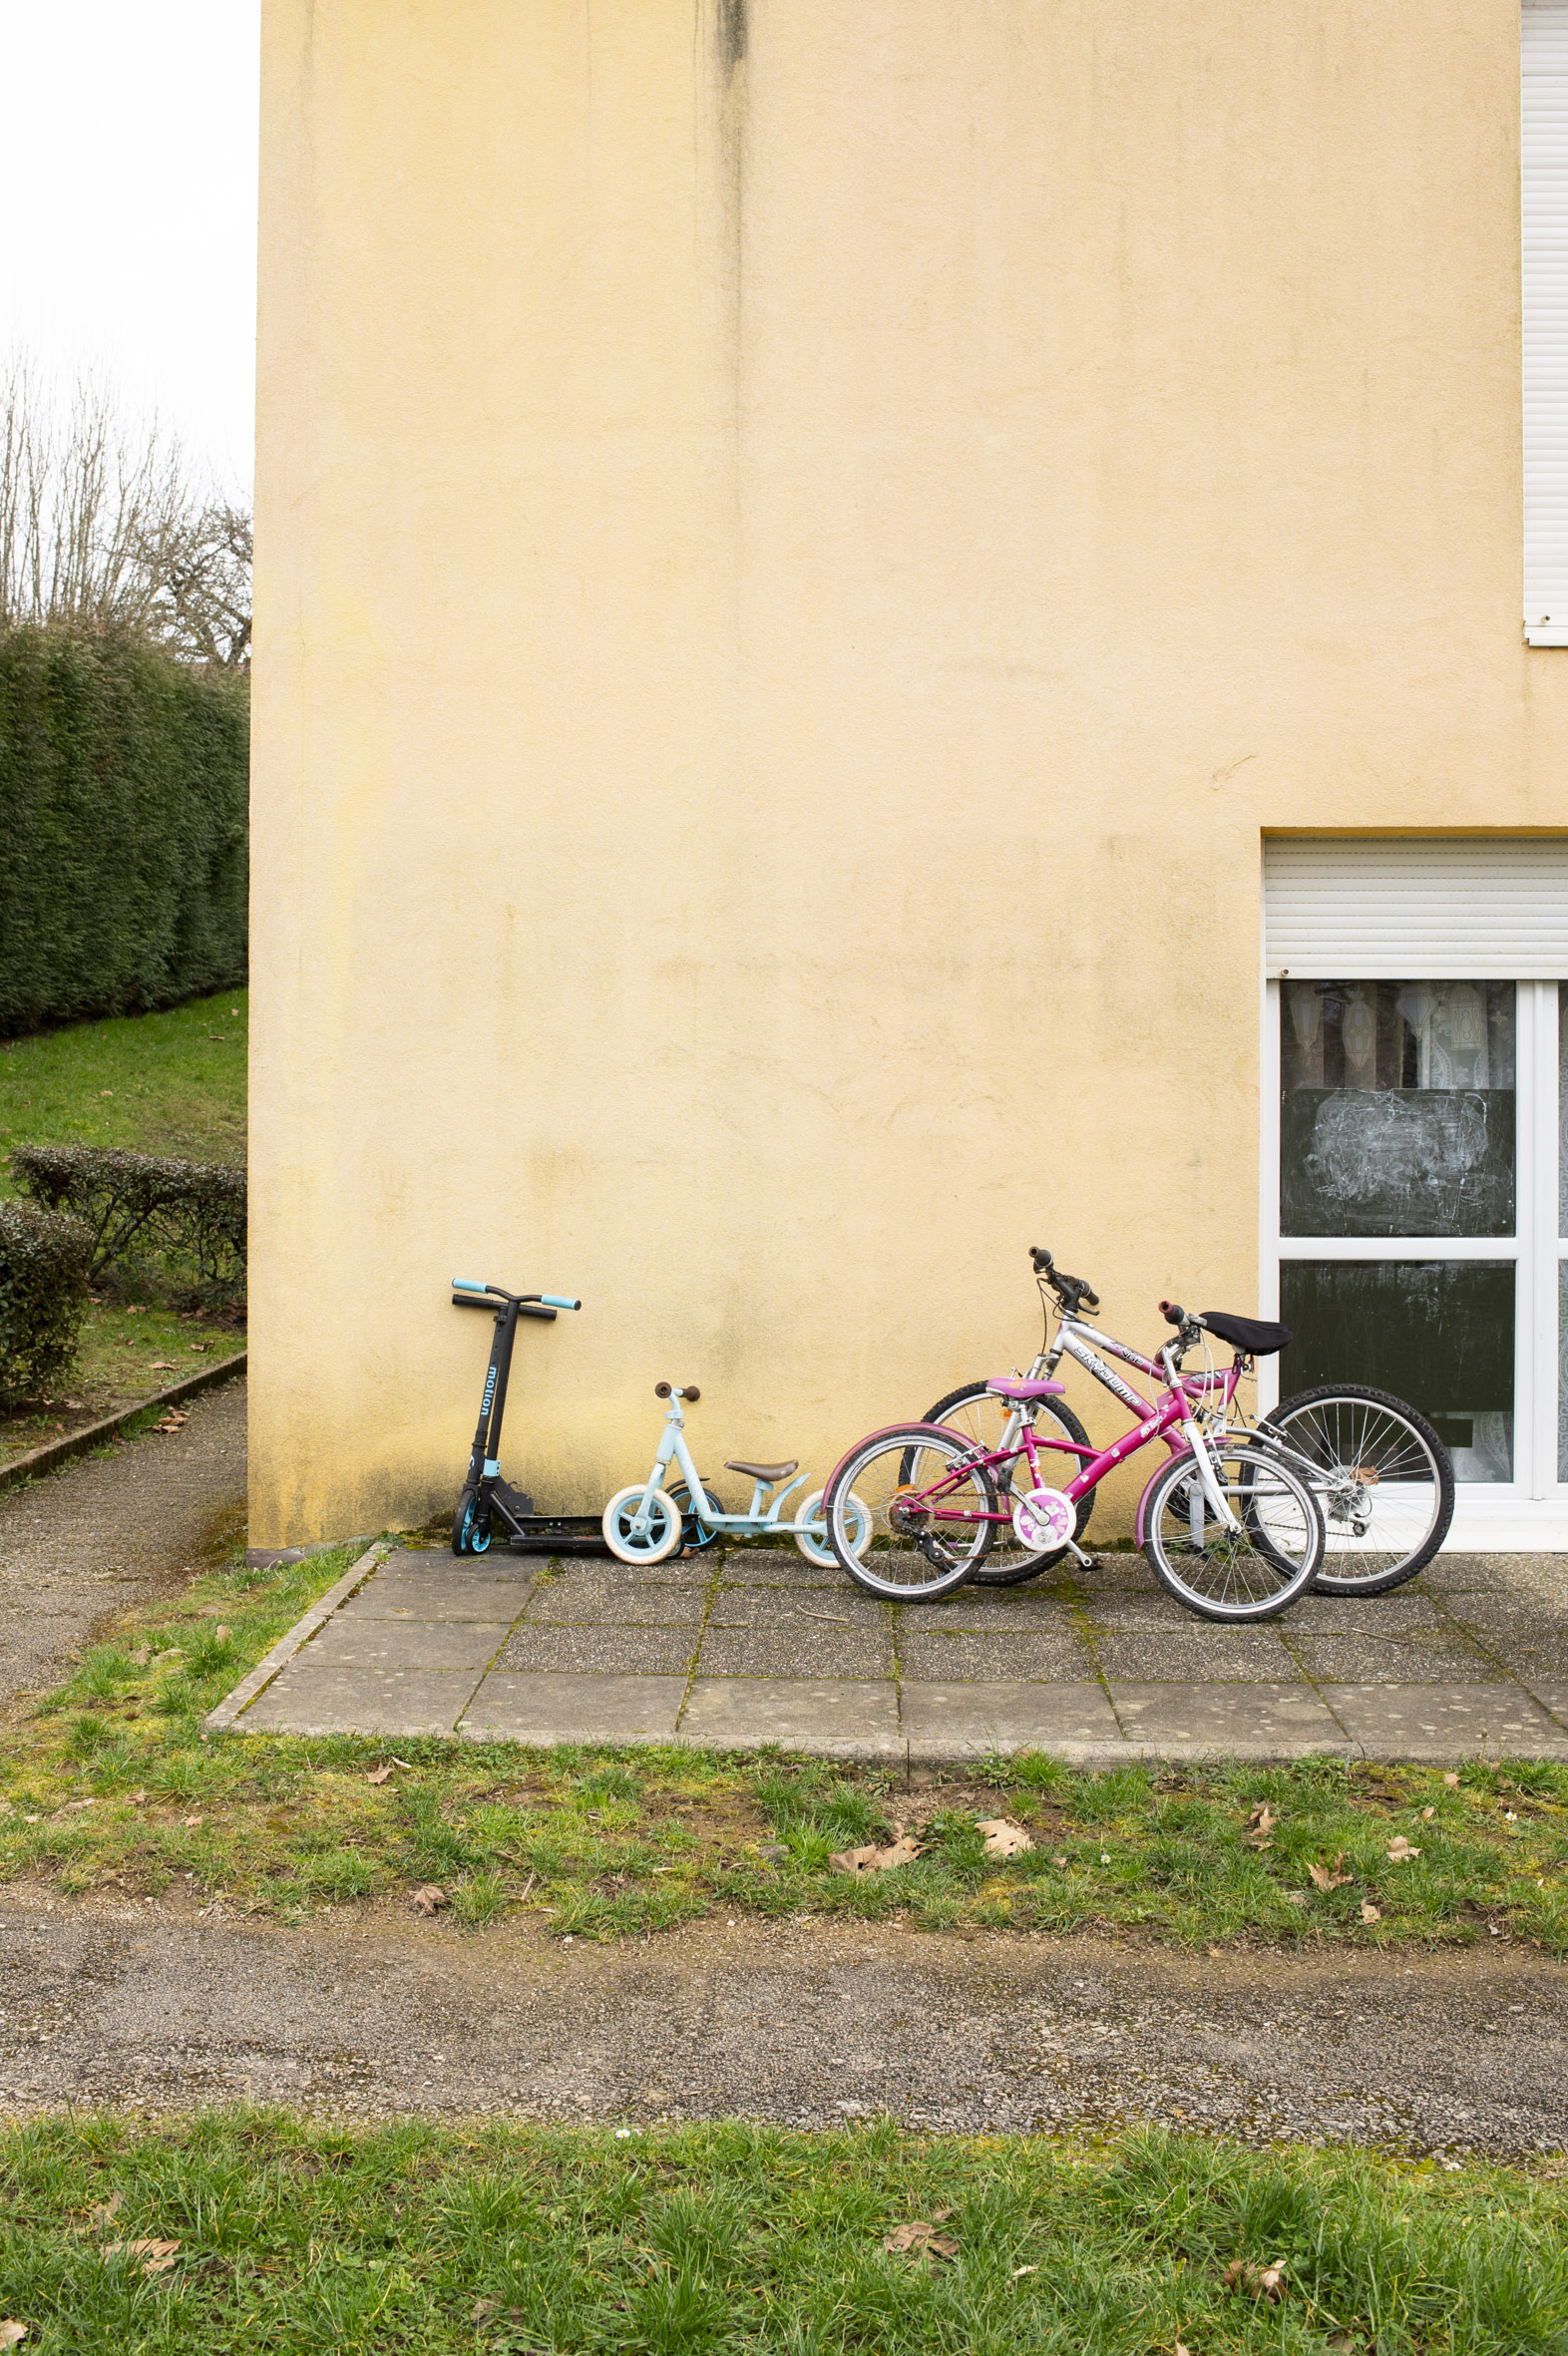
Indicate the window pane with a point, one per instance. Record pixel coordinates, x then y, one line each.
1562 1370
1397 1112
1562 1108
1437 1332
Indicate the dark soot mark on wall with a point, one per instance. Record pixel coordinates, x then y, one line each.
731 33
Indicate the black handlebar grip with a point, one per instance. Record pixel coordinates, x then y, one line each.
1044 1263
1173 1314
661 1390
528 1308
473 1301
1091 1300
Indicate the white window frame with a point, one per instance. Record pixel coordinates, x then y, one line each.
1530 1512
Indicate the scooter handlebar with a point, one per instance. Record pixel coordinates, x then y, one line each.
558 1300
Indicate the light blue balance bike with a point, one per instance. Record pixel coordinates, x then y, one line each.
647 1522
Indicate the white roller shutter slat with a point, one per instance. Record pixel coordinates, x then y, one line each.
1544 239
1380 910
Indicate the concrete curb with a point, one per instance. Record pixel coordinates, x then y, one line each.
92 1435
219 1720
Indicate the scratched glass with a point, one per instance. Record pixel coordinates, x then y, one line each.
1397 1108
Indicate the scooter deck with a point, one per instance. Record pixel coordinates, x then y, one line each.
558 1534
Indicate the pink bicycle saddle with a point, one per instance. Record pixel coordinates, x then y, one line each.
1010 1386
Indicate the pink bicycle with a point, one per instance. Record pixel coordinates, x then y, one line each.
1229 1527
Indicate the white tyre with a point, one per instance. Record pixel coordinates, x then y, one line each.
813 1539
642 1524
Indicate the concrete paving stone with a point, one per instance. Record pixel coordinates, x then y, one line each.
457 1596
565 1709
778 1566
1347 1660
408 1644
1113 1574
1444 1721
1188 1655
1467 1574
985 1611
1365 1615
1073 1720
1240 1720
1552 1693
961 1657
796 1651
830 1716
574 1602
605 1651
1130 1614
320 1698
790 1607
1506 1620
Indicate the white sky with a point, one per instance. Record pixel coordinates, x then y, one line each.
128 191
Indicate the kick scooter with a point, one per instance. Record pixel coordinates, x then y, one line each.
487 1498
646 1523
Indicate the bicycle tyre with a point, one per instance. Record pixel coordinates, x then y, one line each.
1007 1564
1308 1409
908 1543
1194 1537
695 1536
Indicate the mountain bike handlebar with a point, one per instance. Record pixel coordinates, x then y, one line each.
1073 1292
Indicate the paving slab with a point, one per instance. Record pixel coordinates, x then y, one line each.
1397 1614
789 1607
317 1697
347 1643
978 1611
601 1652
1125 1611
628 1603
1439 1658
1552 1693
796 1651
1192 1655
1057 1654
458 1596
776 1566
834 1718
1443 1722
1073 1721
574 1709
1236 1721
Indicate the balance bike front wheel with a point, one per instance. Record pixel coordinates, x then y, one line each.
811 1535
638 1536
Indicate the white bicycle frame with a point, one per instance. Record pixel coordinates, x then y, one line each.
757 1522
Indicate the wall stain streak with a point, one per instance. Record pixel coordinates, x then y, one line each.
731 33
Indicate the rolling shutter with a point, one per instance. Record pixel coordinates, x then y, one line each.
1374 909
1545 290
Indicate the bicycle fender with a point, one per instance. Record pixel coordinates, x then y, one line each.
1143 1501
939 1430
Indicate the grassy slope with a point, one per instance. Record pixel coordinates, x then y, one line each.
170 1084
165 1084
693 2241
606 1843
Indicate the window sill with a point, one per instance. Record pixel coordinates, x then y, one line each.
1546 633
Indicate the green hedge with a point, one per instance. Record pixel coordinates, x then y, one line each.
123 816
43 1298
133 1203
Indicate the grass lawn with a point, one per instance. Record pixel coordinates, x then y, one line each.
256 2232
171 1084
109 1784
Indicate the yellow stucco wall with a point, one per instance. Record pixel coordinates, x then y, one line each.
799 550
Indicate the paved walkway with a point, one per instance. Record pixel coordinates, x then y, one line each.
105 1531
758 1647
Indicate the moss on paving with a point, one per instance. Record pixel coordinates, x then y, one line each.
111 1785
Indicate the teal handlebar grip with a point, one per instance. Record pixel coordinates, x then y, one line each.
558 1300
466 1284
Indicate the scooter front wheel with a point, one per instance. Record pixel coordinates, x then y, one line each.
642 1524
470 1530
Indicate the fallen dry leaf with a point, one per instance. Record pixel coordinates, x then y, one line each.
1330 1878
137 1798
1001 1838
1296 1897
101 2216
1453 1783
156 2256
1427 1816
428 1899
871 1859
1019 2272
1261 1825
1399 1849
191 1822
161 1365
378 1774
221 1634
11 2331
920 2239
1370 1912
1265 2283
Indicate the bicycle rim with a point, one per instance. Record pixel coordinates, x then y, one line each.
1380 1476
928 1504
1251 1571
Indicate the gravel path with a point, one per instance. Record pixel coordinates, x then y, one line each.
110 1530
137 2007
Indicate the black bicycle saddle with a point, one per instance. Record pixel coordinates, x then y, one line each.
1246 1333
